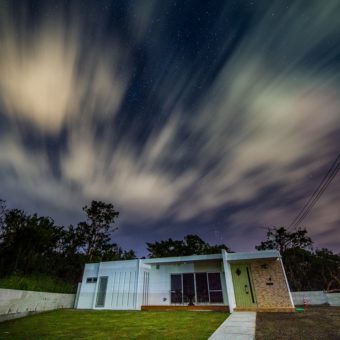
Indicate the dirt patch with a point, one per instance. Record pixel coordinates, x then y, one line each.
314 323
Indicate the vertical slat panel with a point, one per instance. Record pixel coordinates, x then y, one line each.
147 288
144 281
113 289
123 290
135 289
118 289
129 290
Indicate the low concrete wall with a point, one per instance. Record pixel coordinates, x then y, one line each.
316 298
333 299
18 303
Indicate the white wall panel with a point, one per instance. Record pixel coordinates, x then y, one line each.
134 283
87 290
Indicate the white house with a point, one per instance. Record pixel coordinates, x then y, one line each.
225 281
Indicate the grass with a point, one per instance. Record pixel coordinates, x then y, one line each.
315 323
37 283
89 324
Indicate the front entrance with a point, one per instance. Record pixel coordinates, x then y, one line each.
243 286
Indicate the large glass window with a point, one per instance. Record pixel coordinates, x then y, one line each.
176 288
202 288
215 288
196 287
188 288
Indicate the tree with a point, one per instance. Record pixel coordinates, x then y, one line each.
117 253
70 261
34 245
192 244
166 248
281 239
95 233
306 269
2 214
28 243
326 269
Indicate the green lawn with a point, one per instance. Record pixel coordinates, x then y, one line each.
86 324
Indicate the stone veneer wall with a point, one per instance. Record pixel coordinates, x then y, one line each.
270 285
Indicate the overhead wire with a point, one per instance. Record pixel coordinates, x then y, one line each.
315 196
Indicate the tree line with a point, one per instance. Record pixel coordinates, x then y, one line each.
35 245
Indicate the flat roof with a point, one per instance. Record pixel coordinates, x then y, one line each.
184 258
253 255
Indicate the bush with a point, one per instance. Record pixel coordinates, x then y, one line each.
37 283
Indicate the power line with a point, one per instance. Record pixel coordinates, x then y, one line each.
332 172
317 197
327 179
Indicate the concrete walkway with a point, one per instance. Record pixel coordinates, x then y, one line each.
239 326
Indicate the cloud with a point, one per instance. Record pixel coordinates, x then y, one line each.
254 142
51 77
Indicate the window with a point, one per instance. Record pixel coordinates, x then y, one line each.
176 288
188 288
202 290
196 287
91 280
101 293
215 288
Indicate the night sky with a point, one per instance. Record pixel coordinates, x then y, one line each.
217 118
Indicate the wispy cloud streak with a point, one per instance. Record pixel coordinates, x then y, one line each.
242 137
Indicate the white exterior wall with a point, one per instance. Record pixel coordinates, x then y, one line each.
142 290
224 289
121 286
228 282
159 287
133 283
160 280
87 290
121 292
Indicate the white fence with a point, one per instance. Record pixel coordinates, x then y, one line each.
17 303
316 298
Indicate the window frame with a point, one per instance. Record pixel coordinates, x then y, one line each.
91 279
214 290
195 288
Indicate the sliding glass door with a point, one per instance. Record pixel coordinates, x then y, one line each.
188 287
196 288
176 288
202 291
215 288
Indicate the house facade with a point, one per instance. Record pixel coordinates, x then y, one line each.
225 281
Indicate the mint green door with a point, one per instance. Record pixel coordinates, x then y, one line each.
243 286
